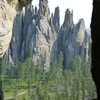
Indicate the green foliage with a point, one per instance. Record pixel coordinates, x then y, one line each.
4 66
74 83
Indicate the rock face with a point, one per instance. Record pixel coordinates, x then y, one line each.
73 39
35 28
6 24
7 15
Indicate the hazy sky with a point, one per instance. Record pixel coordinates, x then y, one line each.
81 9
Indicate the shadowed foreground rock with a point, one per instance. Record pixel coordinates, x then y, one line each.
24 3
95 29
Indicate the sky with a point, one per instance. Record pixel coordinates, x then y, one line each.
81 9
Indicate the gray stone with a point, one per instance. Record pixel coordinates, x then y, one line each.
73 39
56 19
6 24
35 28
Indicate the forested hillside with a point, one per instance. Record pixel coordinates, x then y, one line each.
30 82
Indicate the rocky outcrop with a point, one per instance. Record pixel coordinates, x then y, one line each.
35 28
7 15
43 8
56 20
74 40
6 25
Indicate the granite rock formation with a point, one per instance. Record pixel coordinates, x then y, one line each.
74 41
26 31
42 32
6 25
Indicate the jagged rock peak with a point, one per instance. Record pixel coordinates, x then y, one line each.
68 20
80 31
56 19
81 22
43 7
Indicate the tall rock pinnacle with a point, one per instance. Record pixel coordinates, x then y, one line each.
43 8
56 19
45 36
80 30
68 22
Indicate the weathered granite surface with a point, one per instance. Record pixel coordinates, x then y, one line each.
37 29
